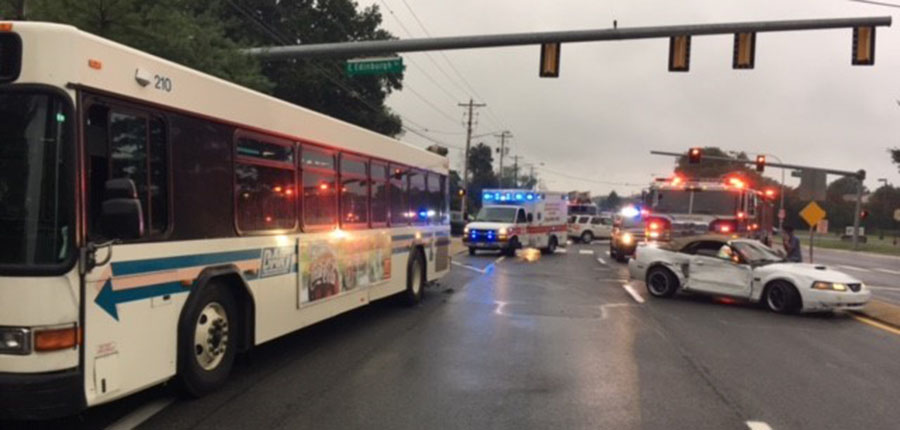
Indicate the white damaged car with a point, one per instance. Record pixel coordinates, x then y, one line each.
744 269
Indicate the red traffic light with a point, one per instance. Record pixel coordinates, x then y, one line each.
694 155
863 214
760 163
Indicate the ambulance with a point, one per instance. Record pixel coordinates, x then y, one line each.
511 219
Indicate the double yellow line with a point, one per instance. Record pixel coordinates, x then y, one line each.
876 324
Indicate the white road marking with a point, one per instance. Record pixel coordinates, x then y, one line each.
892 272
561 250
633 293
601 261
858 269
607 254
473 268
498 260
758 425
141 414
586 251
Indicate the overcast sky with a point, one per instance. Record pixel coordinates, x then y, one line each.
615 101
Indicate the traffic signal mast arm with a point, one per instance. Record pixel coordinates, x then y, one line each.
381 47
860 174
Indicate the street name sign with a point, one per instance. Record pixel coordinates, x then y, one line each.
374 66
812 213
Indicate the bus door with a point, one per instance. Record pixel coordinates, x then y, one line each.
129 318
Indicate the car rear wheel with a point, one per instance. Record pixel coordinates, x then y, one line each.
587 237
661 282
781 297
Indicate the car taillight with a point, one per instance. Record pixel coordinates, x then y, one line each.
724 227
656 228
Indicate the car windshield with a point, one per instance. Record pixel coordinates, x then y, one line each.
704 202
36 204
497 214
755 252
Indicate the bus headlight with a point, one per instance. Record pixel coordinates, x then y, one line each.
15 340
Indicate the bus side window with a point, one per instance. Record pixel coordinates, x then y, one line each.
435 199
320 203
380 201
399 195
130 146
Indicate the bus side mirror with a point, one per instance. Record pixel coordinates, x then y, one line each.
121 215
530 217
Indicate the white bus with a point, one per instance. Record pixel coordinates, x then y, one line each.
155 221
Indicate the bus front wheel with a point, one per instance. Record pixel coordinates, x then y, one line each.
207 339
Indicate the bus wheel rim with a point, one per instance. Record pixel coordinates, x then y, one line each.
211 336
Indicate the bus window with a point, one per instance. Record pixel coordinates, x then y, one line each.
418 197
133 146
399 196
437 189
380 202
264 185
319 194
354 192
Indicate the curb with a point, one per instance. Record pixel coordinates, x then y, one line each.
883 312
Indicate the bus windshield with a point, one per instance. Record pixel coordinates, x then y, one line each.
497 214
36 186
704 202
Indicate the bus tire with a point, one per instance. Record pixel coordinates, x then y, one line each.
415 279
207 334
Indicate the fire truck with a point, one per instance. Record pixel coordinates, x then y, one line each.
678 207
510 219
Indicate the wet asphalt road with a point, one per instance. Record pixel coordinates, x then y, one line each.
557 343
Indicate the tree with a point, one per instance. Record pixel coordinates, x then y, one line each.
840 202
881 206
612 202
481 173
319 84
188 33
509 178
895 156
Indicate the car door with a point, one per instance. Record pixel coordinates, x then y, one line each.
721 273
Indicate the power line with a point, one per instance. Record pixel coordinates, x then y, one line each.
491 112
272 33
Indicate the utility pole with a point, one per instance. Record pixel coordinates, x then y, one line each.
516 171
471 105
859 194
503 136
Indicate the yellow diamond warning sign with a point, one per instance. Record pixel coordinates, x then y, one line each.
812 214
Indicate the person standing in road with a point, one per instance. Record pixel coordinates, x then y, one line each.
791 246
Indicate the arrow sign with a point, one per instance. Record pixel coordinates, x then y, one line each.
109 298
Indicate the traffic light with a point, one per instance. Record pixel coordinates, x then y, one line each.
744 51
760 163
462 192
550 60
863 46
694 155
680 53
863 214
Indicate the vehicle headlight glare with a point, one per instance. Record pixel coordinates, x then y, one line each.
502 231
829 286
627 238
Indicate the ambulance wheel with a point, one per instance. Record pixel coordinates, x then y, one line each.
551 247
471 250
511 248
206 344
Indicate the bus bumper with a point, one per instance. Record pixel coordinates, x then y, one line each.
41 396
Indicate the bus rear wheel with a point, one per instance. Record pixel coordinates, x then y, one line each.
206 344
415 279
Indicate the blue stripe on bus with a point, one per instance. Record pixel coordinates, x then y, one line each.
126 268
401 237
